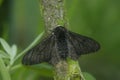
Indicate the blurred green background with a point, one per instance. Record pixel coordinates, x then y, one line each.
21 22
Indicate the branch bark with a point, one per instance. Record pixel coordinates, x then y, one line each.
53 13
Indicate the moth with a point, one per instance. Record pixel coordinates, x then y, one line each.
59 45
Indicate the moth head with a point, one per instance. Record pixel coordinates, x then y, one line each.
59 30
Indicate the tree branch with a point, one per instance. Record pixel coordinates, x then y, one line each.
53 13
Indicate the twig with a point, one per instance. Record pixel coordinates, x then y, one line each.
54 14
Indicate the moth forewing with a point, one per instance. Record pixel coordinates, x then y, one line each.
83 44
39 53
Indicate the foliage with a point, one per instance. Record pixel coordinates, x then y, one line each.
9 56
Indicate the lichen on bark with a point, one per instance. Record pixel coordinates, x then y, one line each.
53 13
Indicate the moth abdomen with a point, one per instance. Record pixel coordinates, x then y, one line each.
62 48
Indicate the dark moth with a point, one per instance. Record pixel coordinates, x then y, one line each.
59 45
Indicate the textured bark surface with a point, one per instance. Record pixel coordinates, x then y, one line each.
53 13
61 71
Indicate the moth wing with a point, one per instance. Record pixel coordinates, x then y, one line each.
82 44
55 57
39 53
71 50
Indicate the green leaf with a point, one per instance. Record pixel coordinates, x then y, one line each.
5 46
4 71
3 54
30 46
14 52
88 76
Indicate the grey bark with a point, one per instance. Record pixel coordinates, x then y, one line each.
53 13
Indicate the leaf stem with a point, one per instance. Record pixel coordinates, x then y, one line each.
4 71
30 46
